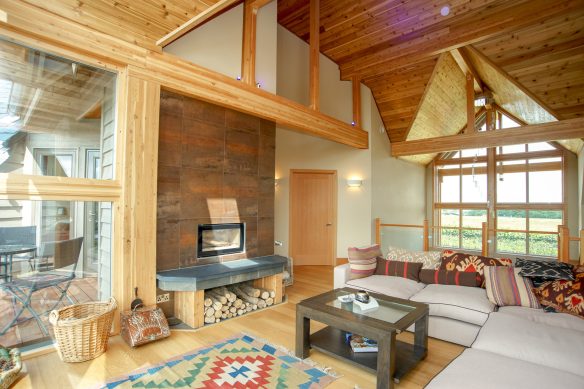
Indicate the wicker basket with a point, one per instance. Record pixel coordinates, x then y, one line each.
10 366
82 330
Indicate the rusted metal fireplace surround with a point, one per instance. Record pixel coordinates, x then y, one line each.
220 239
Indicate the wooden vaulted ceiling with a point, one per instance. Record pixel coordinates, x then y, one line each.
398 48
142 22
530 50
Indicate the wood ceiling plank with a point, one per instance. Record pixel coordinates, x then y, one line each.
443 109
390 23
510 94
473 27
88 16
544 132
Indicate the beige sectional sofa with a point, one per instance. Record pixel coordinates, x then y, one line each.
509 347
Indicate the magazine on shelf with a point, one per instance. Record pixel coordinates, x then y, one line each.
361 344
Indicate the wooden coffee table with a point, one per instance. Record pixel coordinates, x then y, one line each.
394 315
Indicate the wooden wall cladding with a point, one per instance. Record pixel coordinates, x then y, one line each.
215 165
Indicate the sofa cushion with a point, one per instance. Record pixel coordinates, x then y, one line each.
428 259
363 261
505 286
479 369
544 270
546 345
462 303
564 295
410 270
453 260
391 286
445 277
562 320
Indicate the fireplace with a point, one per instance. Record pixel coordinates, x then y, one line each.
220 239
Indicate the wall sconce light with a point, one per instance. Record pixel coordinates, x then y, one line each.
354 183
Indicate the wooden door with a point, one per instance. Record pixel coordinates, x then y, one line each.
313 211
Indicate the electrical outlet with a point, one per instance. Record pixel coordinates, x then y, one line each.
162 298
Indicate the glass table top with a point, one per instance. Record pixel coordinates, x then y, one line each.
388 311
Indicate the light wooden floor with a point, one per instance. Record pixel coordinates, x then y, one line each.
276 325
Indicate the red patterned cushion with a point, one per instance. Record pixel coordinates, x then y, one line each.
409 270
445 277
564 295
363 261
454 260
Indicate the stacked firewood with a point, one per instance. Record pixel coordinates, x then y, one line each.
235 300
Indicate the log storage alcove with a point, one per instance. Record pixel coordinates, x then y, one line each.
189 284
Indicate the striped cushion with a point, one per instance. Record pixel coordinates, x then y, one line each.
363 261
410 270
506 287
445 277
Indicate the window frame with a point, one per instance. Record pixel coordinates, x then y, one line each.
492 206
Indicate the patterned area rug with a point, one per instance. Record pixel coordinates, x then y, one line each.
239 362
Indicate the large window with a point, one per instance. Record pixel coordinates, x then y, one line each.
520 198
57 119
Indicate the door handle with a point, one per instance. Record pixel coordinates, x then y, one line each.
329 224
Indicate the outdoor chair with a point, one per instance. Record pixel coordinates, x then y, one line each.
59 275
16 236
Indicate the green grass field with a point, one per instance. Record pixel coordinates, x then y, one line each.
507 242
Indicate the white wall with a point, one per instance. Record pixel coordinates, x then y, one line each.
216 45
399 194
356 207
581 187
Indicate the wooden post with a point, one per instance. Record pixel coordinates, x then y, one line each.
378 231
485 239
581 247
470 109
314 86
356 101
491 191
426 235
250 13
563 243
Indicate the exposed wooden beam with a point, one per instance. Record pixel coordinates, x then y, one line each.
545 132
314 54
356 101
451 34
470 109
466 66
248 57
196 21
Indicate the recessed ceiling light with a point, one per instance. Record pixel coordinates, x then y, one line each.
445 11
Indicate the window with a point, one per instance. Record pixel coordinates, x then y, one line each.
528 192
57 120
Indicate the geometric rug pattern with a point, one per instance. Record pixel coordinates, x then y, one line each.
239 362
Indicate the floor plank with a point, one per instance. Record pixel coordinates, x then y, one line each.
275 324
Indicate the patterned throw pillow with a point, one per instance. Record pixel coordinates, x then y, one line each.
363 261
445 277
429 259
409 270
454 260
506 287
564 295
545 270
